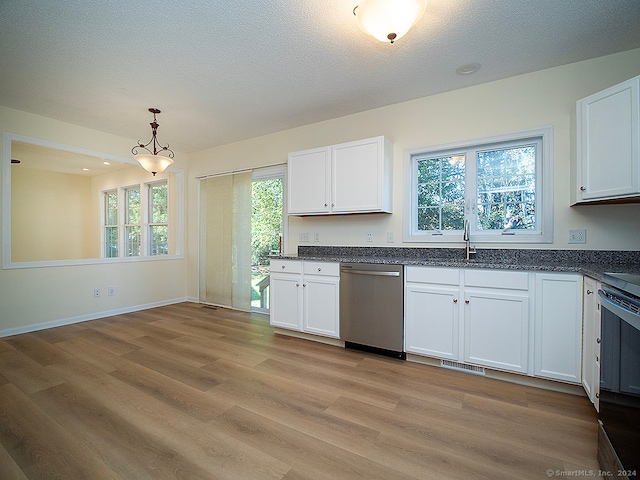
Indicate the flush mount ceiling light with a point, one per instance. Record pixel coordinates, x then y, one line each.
388 20
152 161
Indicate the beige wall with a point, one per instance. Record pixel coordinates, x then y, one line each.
33 296
51 216
545 98
540 99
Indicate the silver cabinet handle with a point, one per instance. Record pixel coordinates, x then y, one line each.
319 269
283 267
466 301
583 188
455 300
589 292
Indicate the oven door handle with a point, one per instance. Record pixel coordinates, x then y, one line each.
628 316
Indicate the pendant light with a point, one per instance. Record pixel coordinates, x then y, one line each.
151 160
388 20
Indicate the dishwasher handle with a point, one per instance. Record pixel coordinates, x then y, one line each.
377 273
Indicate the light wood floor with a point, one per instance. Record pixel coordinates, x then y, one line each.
188 392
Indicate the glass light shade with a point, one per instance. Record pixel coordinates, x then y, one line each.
382 18
153 163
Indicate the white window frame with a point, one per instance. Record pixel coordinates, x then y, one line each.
145 223
544 190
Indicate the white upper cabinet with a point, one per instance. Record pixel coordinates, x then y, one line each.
608 144
353 177
309 177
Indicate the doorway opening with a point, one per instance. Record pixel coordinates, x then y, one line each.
267 231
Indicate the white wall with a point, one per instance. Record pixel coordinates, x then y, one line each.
31 297
540 99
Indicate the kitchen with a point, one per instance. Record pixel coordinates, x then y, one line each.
495 328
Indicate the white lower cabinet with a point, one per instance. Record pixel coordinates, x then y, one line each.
558 327
496 329
285 294
515 321
591 341
321 299
305 296
431 326
451 314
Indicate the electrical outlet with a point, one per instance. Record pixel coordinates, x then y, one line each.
111 291
303 237
96 292
578 235
389 237
316 237
369 237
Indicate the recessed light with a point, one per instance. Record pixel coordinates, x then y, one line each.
468 69
85 169
106 163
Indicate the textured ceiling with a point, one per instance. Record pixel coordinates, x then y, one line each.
223 71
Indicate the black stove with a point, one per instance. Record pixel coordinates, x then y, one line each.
619 415
627 282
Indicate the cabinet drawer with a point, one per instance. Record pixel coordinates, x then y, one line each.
438 276
321 268
497 279
286 266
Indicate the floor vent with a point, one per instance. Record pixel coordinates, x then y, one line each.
210 307
462 367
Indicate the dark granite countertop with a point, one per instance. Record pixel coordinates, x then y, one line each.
593 263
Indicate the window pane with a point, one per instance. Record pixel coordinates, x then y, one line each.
158 203
133 206
111 242
111 224
159 244
133 240
507 188
440 193
111 208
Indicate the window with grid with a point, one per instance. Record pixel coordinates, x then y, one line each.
137 220
111 224
158 219
132 222
501 187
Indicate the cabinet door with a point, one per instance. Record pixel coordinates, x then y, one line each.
286 301
591 341
558 327
321 305
432 320
308 180
357 176
608 130
496 329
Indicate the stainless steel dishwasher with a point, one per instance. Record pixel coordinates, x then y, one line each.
371 308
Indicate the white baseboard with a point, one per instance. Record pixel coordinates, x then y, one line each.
83 318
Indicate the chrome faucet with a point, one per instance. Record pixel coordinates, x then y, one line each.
465 236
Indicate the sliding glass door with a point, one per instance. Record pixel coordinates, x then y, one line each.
241 226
